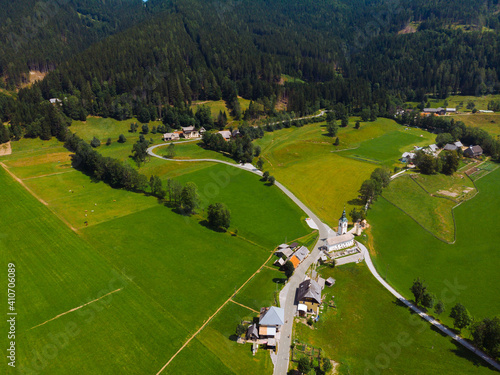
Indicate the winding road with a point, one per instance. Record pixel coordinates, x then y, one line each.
287 294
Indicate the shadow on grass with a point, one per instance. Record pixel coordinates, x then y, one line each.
206 224
465 353
356 202
233 338
279 280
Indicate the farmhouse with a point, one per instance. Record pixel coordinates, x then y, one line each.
407 157
473 151
170 136
299 256
226 134
450 147
435 111
339 242
286 251
270 321
433 147
190 132
252 332
308 297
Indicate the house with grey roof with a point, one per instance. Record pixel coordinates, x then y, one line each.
226 134
473 151
270 321
309 295
433 147
450 147
252 332
190 132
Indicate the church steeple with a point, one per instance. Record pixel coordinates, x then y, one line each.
343 222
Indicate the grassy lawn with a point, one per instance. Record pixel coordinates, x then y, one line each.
486 121
262 289
261 213
193 150
215 350
405 251
306 162
369 333
58 271
157 248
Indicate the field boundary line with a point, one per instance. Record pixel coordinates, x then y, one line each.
23 184
38 198
271 268
246 307
213 315
48 175
75 309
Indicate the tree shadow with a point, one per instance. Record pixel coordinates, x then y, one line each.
465 353
356 202
207 225
233 338
279 280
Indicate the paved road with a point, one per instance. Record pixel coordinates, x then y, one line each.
423 315
287 295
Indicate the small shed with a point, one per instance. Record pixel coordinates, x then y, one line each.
293 245
252 332
330 281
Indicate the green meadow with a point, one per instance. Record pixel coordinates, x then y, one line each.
486 121
326 177
464 272
176 272
370 333
217 106
433 213
56 271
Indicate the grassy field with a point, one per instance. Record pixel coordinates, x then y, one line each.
215 350
323 176
481 102
486 121
220 105
370 333
58 271
404 251
193 150
432 213
156 248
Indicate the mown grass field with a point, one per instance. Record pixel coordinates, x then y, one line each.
179 272
58 271
323 176
192 150
214 351
370 333
405 251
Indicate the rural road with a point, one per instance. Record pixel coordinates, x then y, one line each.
287 294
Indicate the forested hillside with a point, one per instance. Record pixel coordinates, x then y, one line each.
38 35
348 52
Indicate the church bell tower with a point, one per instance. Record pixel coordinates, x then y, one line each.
343 222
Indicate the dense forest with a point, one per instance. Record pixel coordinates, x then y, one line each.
369 56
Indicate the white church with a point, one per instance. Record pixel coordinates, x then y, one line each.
343 239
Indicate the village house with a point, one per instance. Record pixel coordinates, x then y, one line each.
450 147
226 134
408 157
189 132
435 111
473 151
299 256
270 321
171 136
308 297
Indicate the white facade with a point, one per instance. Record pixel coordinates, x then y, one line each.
343 223
339 242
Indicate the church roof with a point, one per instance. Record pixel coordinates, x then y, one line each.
339 239
343 218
